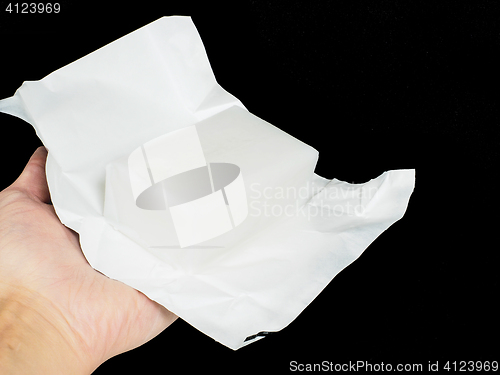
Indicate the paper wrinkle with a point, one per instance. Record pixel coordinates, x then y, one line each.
66 206
290 231
15 106
216 101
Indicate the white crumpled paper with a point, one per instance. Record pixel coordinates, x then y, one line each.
178 191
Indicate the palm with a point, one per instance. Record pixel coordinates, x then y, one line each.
51 265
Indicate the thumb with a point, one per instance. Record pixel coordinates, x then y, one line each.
33 180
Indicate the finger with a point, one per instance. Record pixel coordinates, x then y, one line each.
165 319
33 180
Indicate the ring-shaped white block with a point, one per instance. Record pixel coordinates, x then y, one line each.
201 219
204 199
237 200
173 153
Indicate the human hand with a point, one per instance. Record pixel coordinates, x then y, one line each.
57 314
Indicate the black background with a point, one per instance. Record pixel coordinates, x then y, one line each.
373 86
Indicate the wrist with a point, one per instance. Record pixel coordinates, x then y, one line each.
34 340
